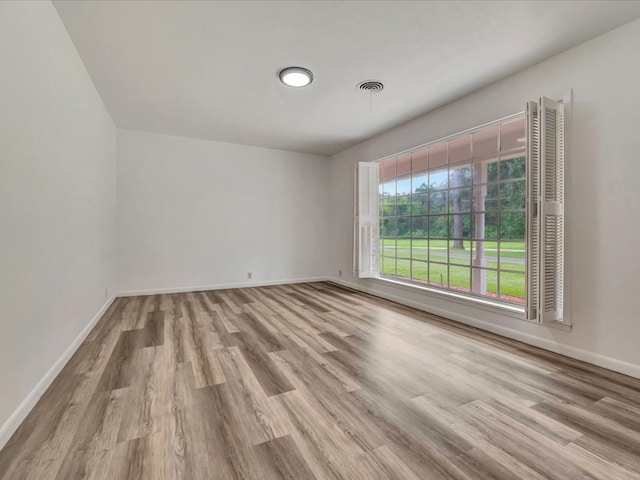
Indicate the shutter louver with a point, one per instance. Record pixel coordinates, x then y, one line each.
367 220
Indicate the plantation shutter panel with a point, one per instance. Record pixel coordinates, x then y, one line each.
533 210
545 210
551 209
366 232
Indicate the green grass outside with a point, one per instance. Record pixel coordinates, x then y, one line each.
458 276
457 257
507 249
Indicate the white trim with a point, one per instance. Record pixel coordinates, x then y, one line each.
510 310
217 286
19 414
573 352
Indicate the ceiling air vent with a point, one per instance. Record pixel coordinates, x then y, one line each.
370 86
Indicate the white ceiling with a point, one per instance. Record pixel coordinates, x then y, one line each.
209 69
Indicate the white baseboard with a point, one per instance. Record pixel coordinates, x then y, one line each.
17 417
217 286
546 344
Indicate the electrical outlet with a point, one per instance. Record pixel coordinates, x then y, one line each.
339 273
249 275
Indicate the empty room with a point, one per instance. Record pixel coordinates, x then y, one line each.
319 240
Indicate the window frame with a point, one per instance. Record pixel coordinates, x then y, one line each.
446 263
561 319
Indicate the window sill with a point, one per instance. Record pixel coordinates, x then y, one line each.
512 311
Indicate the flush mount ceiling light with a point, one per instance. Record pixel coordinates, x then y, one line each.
295 76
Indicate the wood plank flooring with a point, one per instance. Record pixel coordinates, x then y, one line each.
312 381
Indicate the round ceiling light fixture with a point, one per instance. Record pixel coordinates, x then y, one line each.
296 76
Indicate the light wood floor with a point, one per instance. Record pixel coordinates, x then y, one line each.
313 381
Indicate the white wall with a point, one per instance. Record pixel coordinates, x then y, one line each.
603 221
196 213
57 202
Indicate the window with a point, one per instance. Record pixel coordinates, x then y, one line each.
478 213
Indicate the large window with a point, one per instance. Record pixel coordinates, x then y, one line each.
479 213
452 214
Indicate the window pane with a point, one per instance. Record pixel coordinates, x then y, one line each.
419 249
419 182
460 149
404 205
512 256
419 204
438 179
513 195
387 206
512 225
460 226
460 278
438 226
403 186
419 160
438 155
419 227
513 168
485 142
404 226
511 264
438 202
512 287
403 248
460 175
388 170
388 266
460 200
403 165
438 250
512 135
403 268
389 188
419 271
388 227
438 275
460 252
388 247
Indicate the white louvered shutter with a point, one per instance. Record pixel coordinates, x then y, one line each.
545 210
551 208
533 217
366 231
